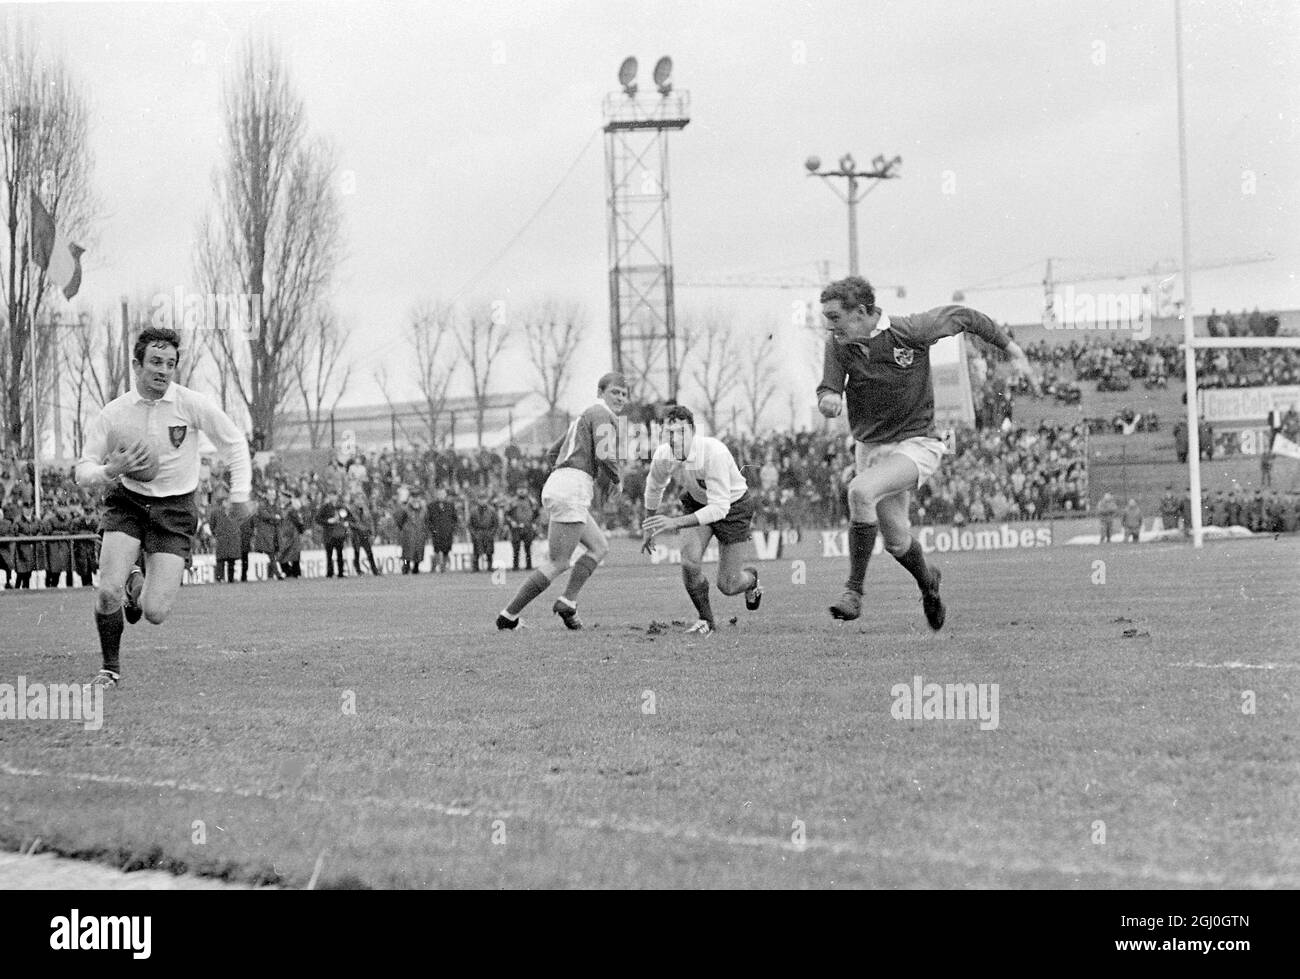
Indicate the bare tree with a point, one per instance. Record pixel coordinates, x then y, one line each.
714 367
269 252
321 373
43 150
481 335
758 377
553 330
430 333
97 355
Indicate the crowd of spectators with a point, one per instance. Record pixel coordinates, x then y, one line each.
1115 363
67 510
997 471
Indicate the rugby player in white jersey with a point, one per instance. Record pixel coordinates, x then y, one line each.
586 460
716 499
157 516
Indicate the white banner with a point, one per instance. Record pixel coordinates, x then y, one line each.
1246 404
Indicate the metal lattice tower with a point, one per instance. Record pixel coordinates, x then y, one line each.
642 321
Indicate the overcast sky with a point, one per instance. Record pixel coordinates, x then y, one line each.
1027 129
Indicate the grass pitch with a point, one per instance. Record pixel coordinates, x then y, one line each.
382 733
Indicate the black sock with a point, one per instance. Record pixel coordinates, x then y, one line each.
110 626
582 570
862 539
913 559
530 589
697 586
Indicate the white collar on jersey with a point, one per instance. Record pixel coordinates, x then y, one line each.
882 324
170 394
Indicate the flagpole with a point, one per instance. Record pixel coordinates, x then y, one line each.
36 430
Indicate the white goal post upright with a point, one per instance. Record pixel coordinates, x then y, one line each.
1192 343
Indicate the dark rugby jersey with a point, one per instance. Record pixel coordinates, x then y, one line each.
889 391
591 443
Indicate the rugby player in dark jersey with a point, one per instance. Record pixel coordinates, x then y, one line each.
881 367
586 459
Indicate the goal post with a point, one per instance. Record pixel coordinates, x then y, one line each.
1191 344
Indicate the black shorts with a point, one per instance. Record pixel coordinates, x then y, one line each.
162 524
732 528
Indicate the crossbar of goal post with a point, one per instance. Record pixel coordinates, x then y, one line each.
1190 345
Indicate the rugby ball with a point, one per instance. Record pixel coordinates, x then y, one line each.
150 469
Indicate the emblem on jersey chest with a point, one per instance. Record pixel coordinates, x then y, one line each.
903 356
177 434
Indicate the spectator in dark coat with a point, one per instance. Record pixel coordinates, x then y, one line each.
363 533
58 553
333 517
1171 510
27 556
484 522
1132 521
411 531
520 517
266 533
1234 510
291 530
245 545
441 518
1106 510
85 553
226 535
7 549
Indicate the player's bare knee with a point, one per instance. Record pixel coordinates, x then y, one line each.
862 503
109 598
898 547
156 612
732 584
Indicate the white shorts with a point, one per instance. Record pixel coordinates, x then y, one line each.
924 451
567 495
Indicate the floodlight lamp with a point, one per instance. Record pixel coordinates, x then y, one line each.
846 163
959 296
627 75
663 68
813 164
879 162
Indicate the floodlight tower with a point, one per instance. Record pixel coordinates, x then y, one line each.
642 321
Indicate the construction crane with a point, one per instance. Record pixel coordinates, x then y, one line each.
1161 272
744 280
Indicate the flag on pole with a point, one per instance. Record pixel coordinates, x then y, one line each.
59 258
1283 446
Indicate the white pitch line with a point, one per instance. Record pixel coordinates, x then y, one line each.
1234 665
1144 874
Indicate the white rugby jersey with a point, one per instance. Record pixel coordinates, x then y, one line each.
709 474
171 425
